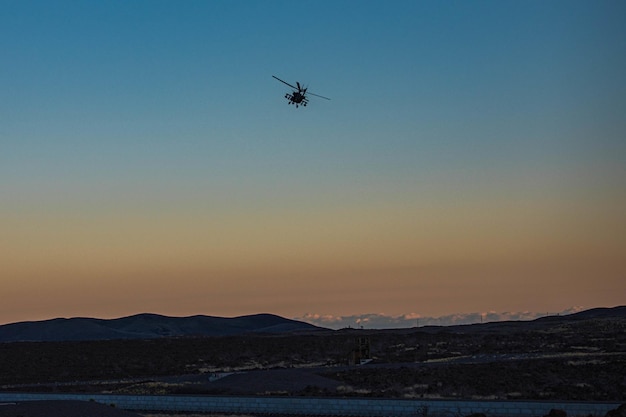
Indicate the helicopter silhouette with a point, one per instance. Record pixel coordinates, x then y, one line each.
298 95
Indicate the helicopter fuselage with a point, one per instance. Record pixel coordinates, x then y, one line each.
298 94
296 98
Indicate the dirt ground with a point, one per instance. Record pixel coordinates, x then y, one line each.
61 409
80 409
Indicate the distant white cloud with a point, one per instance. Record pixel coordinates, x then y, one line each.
384 321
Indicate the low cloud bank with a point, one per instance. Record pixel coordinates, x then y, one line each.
384 321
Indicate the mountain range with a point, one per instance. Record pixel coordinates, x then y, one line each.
147 326
152 326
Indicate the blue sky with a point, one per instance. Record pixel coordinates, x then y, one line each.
148 139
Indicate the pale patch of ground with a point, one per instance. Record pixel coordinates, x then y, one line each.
351 390
196 415
253 365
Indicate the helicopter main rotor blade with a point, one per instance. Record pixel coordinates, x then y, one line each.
317 95
284 82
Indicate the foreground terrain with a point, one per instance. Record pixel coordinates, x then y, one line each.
578 357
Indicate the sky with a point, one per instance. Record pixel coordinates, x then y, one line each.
471 160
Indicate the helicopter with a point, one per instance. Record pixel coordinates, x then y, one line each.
298 96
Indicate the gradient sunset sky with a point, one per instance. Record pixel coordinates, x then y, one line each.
472 157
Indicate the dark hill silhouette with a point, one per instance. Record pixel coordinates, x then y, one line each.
599 313
590 317
147 326
151 326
